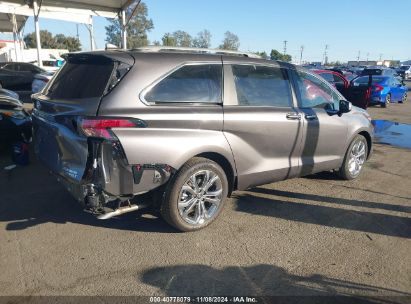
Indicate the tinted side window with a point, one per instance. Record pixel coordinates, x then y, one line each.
80 80
328 76
314 93
261 86
10 67
338 79
29 68
191 83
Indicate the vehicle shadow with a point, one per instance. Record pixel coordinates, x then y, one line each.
30 196
333 200
272 205
263 281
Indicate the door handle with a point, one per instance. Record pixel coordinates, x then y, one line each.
310 117
293 116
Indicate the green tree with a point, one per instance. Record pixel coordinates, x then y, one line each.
231 42
183 39
287 58
276 55
48 41
169 40
203 40
70 43
137 28
262 54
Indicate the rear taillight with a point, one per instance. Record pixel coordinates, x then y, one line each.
101 127
377 88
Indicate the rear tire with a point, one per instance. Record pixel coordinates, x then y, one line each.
354 159
387 101
195 196
404 98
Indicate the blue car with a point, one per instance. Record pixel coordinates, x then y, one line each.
384 89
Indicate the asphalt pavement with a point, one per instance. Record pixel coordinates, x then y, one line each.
308 236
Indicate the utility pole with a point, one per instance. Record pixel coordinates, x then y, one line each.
358 58
285 47
301 54
325 54
381 57
78 38
368 55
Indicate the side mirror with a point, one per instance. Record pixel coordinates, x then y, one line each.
345 106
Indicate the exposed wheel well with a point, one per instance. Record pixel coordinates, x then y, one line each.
369 141
225 164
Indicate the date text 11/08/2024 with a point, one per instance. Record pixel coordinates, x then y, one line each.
203 300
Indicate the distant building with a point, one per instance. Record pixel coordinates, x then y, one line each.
11 51
387 63
361 62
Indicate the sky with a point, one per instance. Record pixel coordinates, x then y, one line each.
372 27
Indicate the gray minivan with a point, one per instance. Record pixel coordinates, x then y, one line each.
182 129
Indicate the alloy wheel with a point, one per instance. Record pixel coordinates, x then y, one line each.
357 158
200 197
388 99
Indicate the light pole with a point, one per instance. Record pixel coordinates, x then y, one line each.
285 47
325 54
301 54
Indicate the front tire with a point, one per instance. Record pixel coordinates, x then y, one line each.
354 159
195 196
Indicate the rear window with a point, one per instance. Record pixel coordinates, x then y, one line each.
81 80
372 72
364 80
405 67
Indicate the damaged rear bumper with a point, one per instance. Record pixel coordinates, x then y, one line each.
109 177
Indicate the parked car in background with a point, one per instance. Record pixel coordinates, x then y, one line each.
8 93
337 79
385 89
379 71
404 71
51 65
18 76
357 70
40 81
15 122
181 139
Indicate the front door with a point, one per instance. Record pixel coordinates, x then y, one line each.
261 123
324 132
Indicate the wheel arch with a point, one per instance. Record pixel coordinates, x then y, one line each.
369 141
225 164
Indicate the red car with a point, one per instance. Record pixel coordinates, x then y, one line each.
359 96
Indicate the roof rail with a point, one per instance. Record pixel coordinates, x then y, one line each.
159 49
